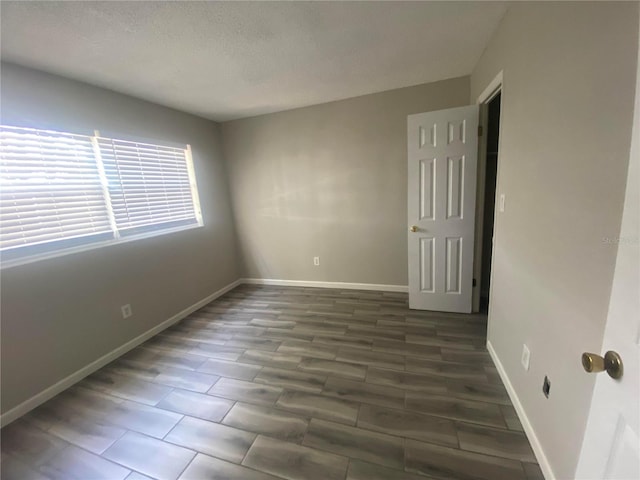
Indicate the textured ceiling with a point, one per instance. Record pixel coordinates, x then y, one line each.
226 60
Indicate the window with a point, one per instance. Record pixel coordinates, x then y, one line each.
60 191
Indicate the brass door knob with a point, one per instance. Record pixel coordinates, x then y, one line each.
413 228
594 363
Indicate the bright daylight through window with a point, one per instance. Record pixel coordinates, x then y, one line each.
61 191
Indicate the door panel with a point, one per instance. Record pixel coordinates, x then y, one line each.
611 448
442 149
427 272
623 462
427 188
454 265
455 184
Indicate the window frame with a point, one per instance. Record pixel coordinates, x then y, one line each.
97 241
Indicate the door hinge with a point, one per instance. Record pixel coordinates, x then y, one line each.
479 130
474 282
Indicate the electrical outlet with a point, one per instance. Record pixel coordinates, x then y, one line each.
526 355
126 311
501 203
546 386
316 261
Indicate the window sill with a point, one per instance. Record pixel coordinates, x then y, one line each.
92 246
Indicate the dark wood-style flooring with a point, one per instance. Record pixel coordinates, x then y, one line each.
271 383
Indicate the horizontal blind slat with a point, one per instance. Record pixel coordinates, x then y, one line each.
47 225
141 195
131 158
141 215
27 206
138 224
140 148
43 237
11 218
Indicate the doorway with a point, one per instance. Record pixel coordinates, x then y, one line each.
490 180
490 102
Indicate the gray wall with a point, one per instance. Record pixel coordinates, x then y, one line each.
330 181
59 315
569 78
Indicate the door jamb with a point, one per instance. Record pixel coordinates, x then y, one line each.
495 86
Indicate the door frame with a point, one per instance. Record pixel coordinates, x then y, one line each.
494 87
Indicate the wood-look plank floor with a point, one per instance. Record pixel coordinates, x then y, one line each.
286 383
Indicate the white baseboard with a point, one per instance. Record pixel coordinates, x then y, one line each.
31 403
545 466
50 392
309 283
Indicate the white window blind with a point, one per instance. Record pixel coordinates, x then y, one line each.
60 190
149 185
50 188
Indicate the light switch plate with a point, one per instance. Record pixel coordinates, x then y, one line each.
526 355
501 205
126 311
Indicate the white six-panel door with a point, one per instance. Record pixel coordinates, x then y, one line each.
443 150
611 445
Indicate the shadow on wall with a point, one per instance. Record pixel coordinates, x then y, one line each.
294 198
